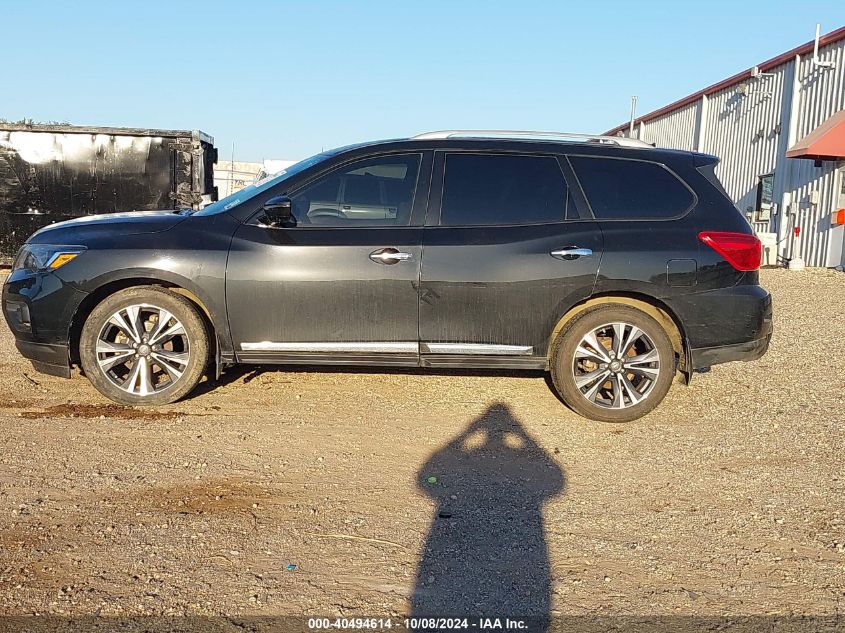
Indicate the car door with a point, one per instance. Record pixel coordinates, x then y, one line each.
339 285
506 252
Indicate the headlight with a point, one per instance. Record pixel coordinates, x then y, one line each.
40 257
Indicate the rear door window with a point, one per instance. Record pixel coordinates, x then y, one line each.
631 189
502 189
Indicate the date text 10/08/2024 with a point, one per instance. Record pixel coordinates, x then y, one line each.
425 623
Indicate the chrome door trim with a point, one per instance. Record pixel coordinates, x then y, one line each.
384 347
485 349
476 348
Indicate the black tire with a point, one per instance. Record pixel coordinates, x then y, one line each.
638 381
167 385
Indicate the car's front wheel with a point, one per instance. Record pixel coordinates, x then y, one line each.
613 363
144 346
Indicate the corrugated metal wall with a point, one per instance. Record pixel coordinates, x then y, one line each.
675 130
749 125
821 94
742 130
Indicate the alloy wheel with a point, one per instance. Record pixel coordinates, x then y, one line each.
616 365
143 349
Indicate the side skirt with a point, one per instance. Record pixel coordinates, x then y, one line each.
434 355
443 361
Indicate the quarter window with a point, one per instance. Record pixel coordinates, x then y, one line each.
488 189
371 192
630 189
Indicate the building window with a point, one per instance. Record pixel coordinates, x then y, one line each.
764 197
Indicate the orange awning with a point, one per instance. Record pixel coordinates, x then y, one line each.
826 142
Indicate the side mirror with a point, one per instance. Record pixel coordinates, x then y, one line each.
278 210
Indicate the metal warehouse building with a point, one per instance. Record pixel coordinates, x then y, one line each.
779 129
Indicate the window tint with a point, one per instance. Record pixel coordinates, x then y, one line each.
362 190
326 190
371 192
619 188
502 189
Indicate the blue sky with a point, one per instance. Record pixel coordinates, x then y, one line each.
286 79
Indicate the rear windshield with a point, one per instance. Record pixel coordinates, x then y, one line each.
618 188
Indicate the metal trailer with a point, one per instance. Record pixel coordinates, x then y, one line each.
50 173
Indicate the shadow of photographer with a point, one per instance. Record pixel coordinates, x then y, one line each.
486 552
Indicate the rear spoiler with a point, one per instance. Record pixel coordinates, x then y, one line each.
706 165
704 160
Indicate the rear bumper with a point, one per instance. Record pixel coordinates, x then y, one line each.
708 356
760 318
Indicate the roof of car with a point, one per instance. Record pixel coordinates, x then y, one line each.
532 135
478 139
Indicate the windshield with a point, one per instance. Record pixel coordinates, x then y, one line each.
256 188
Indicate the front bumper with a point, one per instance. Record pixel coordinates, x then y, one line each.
46 358
39 308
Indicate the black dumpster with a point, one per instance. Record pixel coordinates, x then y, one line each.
50 173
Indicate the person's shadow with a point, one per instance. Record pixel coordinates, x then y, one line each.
486 554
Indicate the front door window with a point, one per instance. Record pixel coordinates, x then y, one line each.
370 192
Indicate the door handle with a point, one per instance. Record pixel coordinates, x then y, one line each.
390 256
571 252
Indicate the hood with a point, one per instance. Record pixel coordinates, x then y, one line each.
133 223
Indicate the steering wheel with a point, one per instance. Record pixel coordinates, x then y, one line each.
318 214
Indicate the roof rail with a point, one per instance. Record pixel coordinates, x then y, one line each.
529 134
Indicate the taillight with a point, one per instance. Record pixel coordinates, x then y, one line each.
742 251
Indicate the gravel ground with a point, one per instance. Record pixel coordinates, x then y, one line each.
385 493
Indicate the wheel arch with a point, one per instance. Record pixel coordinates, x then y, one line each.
94 298
655 308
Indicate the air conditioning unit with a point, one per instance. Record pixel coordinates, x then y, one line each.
770 248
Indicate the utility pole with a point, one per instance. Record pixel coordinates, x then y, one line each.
633 116
232 171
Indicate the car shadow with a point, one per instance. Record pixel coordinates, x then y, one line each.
231 374
486 554
250 372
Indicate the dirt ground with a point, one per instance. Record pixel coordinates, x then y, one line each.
333 493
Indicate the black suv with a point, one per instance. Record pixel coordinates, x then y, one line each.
605 261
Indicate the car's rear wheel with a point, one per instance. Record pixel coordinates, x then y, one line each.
613 363
144 346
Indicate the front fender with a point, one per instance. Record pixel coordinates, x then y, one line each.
203 284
